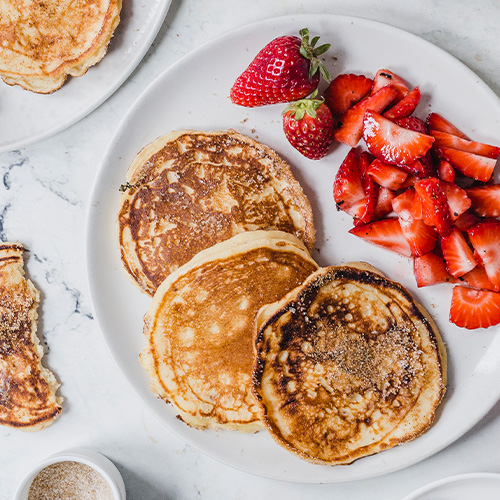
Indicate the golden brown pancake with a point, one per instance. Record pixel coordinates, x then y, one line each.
347 365
189 190
28 398
42 42
199 328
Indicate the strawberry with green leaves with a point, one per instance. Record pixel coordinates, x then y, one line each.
308 126
286 69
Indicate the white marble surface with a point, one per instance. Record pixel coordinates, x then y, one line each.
43 198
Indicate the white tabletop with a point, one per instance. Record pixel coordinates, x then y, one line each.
43 200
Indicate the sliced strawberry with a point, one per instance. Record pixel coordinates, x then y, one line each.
485 200
458 200
471 165
435 208
387 175
412 123
466 221
384 202
370 187
446 172
435 121
384 77
345 90
348 190
477 278
443 139
350 128
404 107
430 269
417 210
474 308
485 238
392 143
386 233
457 254
421 237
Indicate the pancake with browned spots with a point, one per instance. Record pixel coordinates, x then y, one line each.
42 42
28 399
347 365
189 190
199 328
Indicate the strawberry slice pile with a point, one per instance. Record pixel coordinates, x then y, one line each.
422 189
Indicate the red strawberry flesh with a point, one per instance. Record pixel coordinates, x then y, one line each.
473 309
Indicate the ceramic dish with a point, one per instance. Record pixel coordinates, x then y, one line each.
358 46
483 485
26 117
98 462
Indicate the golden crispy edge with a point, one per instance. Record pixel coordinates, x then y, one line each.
54 80
240 243
140 166
266 314
15 250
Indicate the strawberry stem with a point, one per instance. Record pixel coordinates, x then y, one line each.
301 107
309 50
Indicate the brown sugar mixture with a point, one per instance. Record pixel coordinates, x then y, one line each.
69 481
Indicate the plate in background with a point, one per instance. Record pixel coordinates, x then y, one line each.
26 117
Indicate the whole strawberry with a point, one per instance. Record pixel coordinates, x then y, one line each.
286 69
308 126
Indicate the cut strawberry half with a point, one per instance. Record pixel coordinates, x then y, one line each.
387 175
412 123
435 208
394 144
457 254
458 200
384 202
350 128
466 221
443 139
385 233
348 190
473 309
430 269
370 187
470 164
435 121
404 107
346 90
477 278
384 78
446 172
421 237
485 200
485 238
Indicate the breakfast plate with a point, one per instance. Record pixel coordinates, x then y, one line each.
172 102
27 117
483 485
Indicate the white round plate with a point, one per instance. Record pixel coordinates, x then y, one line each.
180 99
481 485
26 117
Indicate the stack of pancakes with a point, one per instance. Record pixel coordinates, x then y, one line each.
245 331
42 43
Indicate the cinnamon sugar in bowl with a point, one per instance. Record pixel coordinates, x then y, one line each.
77 474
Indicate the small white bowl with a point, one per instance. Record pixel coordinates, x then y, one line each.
91 458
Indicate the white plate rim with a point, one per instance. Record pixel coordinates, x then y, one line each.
121 77
457 478
301 19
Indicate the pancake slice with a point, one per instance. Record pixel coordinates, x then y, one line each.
28 399
347 365
189 190
199 328
42 43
